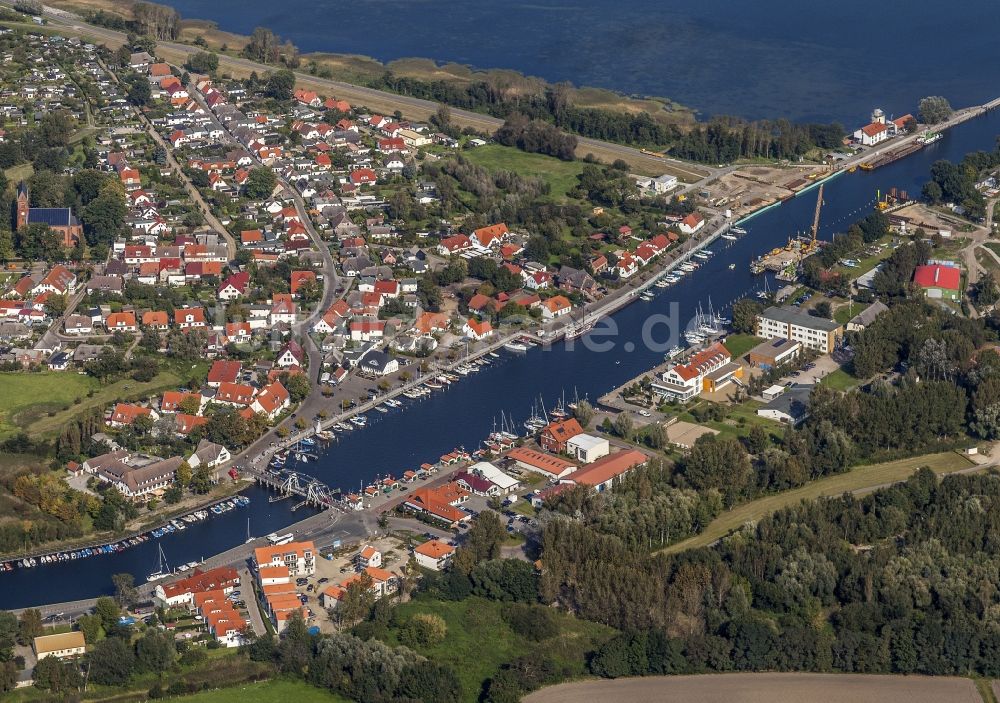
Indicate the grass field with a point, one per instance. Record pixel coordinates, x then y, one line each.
19 173
739 344
560 175
479 640
37 393
856 480
27 399
264 692
839 380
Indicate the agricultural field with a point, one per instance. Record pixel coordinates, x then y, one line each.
857 480
766 688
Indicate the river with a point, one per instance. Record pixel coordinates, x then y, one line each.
769 58
464 413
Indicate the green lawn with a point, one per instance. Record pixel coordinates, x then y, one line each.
28 398
479 641
27 394
857 479
739 344
738 421
839 380
264 692
560 175
19 173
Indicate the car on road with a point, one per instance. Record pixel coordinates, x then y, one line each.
645 413
323 580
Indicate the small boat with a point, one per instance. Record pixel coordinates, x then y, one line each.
737 230
381 409
515 347
732 266
662 283
647 296
162 568
494 355
673 352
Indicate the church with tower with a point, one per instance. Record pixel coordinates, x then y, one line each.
60 219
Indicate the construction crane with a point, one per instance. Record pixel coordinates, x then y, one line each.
819 206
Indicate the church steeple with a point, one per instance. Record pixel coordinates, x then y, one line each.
23 204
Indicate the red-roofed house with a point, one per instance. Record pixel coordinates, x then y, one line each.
872 134
235 286
474 329
189 318
939 282
492 235
707 370
692 223
271 400
602 473
362 176
224 371
125 414
441 502
454 245
555 434
235 394
300 277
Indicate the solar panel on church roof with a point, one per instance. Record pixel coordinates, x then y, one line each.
51 216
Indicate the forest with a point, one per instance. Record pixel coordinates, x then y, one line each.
724 139
903 580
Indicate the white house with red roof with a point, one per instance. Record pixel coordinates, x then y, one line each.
235 286
706 370
476 330
455 244
692 223
271 400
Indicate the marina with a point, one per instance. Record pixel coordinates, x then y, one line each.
396 442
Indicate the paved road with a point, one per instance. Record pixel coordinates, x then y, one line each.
415 108
253 607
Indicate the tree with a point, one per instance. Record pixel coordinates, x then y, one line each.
280 85
104 218
29 626
155 651
623 426
38 242
201 479
52 674
262 46
90 626
583 412
111 662
260 183
934 109
295 648
139 92
107 609
203 62
126 594
745 312
483 542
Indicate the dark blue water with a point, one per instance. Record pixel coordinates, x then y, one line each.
769 58
464 414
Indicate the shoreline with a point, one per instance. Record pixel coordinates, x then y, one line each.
354 66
